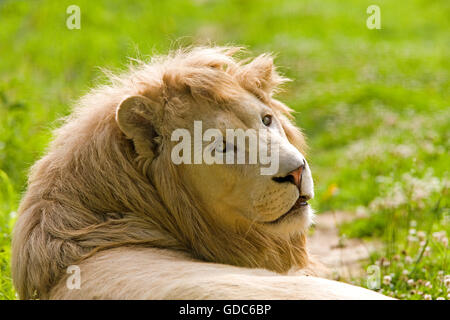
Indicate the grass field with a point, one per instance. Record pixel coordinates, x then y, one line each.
375 104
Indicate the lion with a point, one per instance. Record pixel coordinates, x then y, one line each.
108 199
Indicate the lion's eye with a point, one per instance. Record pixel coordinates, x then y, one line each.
221 147
267 120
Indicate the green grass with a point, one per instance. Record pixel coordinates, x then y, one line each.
375 104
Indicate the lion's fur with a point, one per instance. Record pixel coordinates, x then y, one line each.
91 191
149 273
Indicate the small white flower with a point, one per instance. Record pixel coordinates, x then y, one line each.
440 298
427 297
438 235
447 281
361 211
421 235
404 151
410 282
405 272
387 280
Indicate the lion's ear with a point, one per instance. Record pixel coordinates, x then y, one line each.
260 77
135 117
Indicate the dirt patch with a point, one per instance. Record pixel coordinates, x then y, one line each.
343 257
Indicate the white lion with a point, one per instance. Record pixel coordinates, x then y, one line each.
108 198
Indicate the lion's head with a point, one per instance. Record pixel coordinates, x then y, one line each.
109 178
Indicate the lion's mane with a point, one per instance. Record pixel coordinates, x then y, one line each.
92 191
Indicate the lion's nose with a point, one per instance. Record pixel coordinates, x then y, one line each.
294 176
301 178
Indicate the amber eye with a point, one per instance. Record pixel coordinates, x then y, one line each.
267 120
222 147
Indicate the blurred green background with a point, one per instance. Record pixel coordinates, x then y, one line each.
374 103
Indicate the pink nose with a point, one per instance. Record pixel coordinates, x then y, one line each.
297 175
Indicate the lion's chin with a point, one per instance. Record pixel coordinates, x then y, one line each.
298 219
299 208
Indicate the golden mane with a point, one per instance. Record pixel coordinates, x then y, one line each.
92 191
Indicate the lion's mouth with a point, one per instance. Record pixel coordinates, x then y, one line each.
299 207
